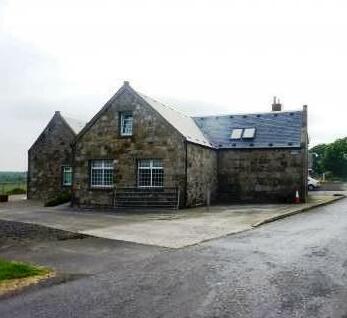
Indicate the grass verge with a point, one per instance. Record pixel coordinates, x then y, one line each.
16 275
11 270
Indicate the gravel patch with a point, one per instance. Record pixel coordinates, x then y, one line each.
10 230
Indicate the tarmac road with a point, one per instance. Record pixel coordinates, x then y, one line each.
295 267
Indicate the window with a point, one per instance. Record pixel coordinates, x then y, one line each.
126 124
150 173
236 134
101 173
67 175
248 133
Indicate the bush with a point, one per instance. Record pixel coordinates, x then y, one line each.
60 199
16 191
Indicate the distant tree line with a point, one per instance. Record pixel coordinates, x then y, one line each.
12 176
331 159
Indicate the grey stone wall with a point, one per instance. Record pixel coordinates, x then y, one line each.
262 175
153 138
46 157
304 151
201 174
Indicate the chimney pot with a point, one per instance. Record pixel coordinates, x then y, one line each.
276 105
126 83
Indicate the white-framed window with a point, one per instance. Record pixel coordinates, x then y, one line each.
67 175
126 123
101 173
150 173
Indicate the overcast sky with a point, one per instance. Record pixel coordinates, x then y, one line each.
203 57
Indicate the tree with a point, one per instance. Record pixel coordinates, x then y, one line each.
318 153
335 159
331 157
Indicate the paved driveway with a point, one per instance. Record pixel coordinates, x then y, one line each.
173 229
292 268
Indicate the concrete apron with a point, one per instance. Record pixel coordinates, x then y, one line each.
172 229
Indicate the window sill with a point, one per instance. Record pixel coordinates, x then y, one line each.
101 188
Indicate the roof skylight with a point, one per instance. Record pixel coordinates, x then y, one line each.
248 133
236 133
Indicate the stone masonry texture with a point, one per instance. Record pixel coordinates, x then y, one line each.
261 175
153 138
46 157
201 174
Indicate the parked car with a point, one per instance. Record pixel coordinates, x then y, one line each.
312 184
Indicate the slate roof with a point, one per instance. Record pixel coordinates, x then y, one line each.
183 123
273 130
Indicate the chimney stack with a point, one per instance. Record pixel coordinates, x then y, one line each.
276 105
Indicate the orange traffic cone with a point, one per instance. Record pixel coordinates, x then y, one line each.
297 198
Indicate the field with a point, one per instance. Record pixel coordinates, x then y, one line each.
13 188
12 182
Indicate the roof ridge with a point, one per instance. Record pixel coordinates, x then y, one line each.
249 114
164 104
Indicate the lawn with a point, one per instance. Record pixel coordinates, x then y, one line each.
13 188
13 270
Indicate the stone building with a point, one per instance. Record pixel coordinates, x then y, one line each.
138 152
50 159
261 157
